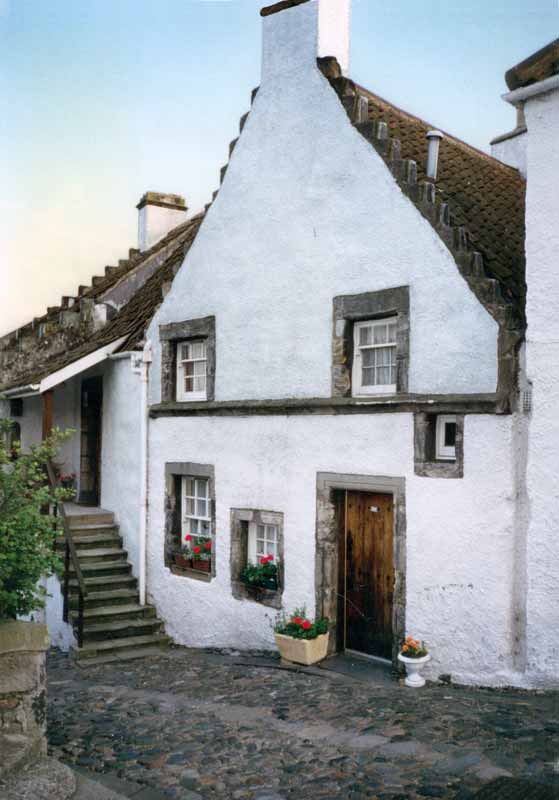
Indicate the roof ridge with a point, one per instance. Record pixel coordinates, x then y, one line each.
451 136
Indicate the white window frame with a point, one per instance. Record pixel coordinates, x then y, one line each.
356 373
181 394
442 452
253 536
187 518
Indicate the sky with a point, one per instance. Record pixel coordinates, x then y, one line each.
102 100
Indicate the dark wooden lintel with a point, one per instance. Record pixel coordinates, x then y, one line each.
409 403
281 6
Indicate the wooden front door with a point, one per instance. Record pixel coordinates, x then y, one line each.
366 572
90 441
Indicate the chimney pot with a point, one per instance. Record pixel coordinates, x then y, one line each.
434 139
158 214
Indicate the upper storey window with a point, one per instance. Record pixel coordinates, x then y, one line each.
374 356
192 370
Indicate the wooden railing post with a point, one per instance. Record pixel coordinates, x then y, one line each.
66 591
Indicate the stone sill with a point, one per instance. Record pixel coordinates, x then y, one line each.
404 403
268 597
511 135
439 469
206 577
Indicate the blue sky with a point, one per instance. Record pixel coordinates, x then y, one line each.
105 99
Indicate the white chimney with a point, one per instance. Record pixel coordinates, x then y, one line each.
297 32
434 139
158 214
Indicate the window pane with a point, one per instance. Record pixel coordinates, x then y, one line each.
365 335
369 357
383 376
190 487
189 368
450 434
368 376
190 506
198 368
198 350
392 332
380 334
204 528
184 352
188 384
201 488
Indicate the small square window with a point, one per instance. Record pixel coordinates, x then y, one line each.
263 541
445 446
191 370
374 357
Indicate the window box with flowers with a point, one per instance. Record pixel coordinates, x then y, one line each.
257 556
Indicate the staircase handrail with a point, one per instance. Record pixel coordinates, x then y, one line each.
70 555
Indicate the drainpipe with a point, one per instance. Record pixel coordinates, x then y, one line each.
434 139
144 469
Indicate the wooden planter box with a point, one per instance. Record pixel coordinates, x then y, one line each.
201 566
302 651
181 561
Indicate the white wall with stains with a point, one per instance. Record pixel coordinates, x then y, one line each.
542 363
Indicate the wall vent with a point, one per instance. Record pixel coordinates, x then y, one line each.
526 396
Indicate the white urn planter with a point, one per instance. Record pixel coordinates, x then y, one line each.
302 651
414 666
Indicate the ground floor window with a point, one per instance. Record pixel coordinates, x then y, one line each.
190 520
257 570
439 445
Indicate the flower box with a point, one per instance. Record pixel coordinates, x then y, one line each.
302 651
182 561
201 565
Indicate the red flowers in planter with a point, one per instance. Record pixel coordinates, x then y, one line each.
188 538
299 627
208 545
266 559
196 549
306 625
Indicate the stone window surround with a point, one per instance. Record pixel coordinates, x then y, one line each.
172 333
348 309
174 472
424 444
240 519
326 566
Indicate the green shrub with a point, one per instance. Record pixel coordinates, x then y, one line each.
27 523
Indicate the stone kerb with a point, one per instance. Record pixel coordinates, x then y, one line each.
23 648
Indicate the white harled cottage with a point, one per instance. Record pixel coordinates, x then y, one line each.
349 362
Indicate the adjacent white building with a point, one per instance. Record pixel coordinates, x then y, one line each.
336 365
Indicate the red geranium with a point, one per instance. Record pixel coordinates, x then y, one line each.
306 625
208 545
196 549
269 558
297 620
263 560
188 538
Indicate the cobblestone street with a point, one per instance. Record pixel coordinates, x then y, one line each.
197 724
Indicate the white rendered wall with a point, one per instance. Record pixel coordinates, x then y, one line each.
120 451
460 536
542 359
512 152
308 211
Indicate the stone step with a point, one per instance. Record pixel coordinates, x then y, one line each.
120 629
125 581
92 540
97 518
83 530
114 597
125 655
98 568
117 646
101 554
114 613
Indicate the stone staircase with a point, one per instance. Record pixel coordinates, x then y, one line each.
116 626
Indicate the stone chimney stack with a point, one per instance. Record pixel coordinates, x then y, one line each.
297 32
157 215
